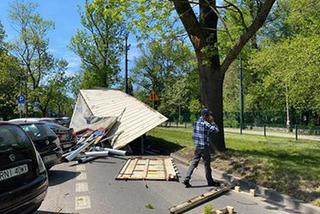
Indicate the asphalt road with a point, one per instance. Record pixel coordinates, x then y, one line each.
92 188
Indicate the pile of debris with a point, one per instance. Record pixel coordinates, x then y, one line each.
92 144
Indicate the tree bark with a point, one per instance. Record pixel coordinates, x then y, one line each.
211 88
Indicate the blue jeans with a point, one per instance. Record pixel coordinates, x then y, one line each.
205 155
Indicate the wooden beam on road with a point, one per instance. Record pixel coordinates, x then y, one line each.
195 201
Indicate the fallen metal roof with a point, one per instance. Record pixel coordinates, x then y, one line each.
137 118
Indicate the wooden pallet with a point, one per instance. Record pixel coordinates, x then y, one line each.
148 169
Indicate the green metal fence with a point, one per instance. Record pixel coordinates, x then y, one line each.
301 124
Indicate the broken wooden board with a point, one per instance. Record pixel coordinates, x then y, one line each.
226 210
195 201
148 169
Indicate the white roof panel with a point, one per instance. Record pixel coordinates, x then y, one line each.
137 119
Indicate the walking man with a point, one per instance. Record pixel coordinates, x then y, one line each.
202 128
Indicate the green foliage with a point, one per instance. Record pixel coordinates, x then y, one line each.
99 45
161 63
288 68
10 84
163 68
208 209
194 106
149 206
279 62
304 17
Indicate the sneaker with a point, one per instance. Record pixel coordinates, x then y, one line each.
186 183
214 183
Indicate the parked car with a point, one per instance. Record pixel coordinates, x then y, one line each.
66 136
63 121
23 176
45 140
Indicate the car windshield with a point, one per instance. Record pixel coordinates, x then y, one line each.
12 135
34 131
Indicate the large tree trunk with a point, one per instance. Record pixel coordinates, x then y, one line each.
202 31
211 88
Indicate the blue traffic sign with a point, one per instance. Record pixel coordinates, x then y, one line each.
21 99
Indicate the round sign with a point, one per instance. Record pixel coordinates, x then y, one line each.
21 99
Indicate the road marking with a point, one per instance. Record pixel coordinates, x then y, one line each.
83 202
82 176
82 187
80 168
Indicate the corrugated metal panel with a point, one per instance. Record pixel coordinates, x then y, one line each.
138 118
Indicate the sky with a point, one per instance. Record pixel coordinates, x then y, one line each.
65 14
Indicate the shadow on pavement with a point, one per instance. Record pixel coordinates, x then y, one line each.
57 177
161 146
198 186
48 212
102 161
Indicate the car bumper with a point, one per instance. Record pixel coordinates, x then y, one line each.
51 159
26 198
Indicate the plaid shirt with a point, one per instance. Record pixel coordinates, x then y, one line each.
201 131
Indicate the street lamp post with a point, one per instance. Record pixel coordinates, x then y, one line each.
241 94
126 62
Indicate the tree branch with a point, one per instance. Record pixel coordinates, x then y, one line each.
247 34
239 11
221 18
189 21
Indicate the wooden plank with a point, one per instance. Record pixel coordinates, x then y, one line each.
132 166
146 169
195 201
171 173
124 168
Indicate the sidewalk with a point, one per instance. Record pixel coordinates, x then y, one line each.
270 196
273 134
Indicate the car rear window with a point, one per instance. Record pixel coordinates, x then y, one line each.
12 135
35 131
49 131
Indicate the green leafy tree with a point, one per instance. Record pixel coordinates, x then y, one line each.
31 47
291 69
99 45
54 93
10 82
160 64
202 29
175 99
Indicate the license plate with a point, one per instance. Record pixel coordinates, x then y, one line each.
12 172
49 158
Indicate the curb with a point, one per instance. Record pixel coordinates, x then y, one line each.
271 196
